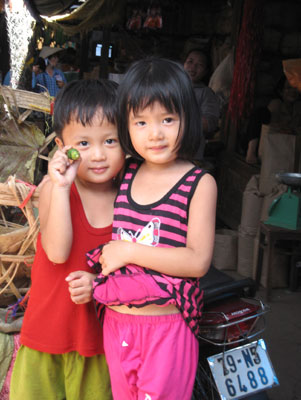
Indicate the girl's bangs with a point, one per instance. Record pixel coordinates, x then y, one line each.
145 95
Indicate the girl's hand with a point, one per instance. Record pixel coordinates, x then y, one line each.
81 286
61 170
114 256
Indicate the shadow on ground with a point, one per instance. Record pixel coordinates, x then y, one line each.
283 339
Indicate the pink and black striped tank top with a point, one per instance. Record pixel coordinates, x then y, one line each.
164 224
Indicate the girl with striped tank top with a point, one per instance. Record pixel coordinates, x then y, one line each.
163 236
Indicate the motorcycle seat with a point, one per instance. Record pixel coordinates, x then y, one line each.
217 285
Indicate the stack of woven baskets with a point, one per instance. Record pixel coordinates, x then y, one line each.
17 237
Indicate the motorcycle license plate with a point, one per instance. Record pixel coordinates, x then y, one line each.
244 370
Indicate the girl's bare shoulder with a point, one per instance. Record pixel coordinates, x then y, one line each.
206 187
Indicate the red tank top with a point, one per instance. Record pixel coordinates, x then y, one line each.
52 322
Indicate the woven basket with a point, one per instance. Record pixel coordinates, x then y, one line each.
17 241
11 236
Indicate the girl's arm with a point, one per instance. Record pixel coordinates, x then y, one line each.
54 208
190 261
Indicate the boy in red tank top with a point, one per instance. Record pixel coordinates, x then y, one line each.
61 354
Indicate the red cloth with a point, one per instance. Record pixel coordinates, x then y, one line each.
248 57
52 322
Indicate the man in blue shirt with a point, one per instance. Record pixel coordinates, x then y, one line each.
53 79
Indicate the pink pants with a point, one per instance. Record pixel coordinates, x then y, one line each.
150 357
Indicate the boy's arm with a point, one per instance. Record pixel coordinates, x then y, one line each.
54 208
190 261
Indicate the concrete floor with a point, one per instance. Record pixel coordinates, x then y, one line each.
283 339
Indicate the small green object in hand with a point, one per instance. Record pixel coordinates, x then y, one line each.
73 154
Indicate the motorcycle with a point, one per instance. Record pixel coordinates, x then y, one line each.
233 361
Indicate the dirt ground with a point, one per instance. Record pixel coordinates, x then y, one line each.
283 340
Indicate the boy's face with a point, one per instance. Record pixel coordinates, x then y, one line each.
101 155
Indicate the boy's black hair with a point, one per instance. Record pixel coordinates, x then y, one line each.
158 79
81 100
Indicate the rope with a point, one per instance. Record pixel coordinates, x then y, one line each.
22 191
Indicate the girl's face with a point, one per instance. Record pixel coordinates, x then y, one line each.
154 133
101 155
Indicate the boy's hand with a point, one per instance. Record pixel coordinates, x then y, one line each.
114 256
80 286
61 170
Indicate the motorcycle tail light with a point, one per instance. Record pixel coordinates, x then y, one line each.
239 330
230 320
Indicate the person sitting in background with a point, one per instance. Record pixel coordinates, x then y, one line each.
196 65
52 79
